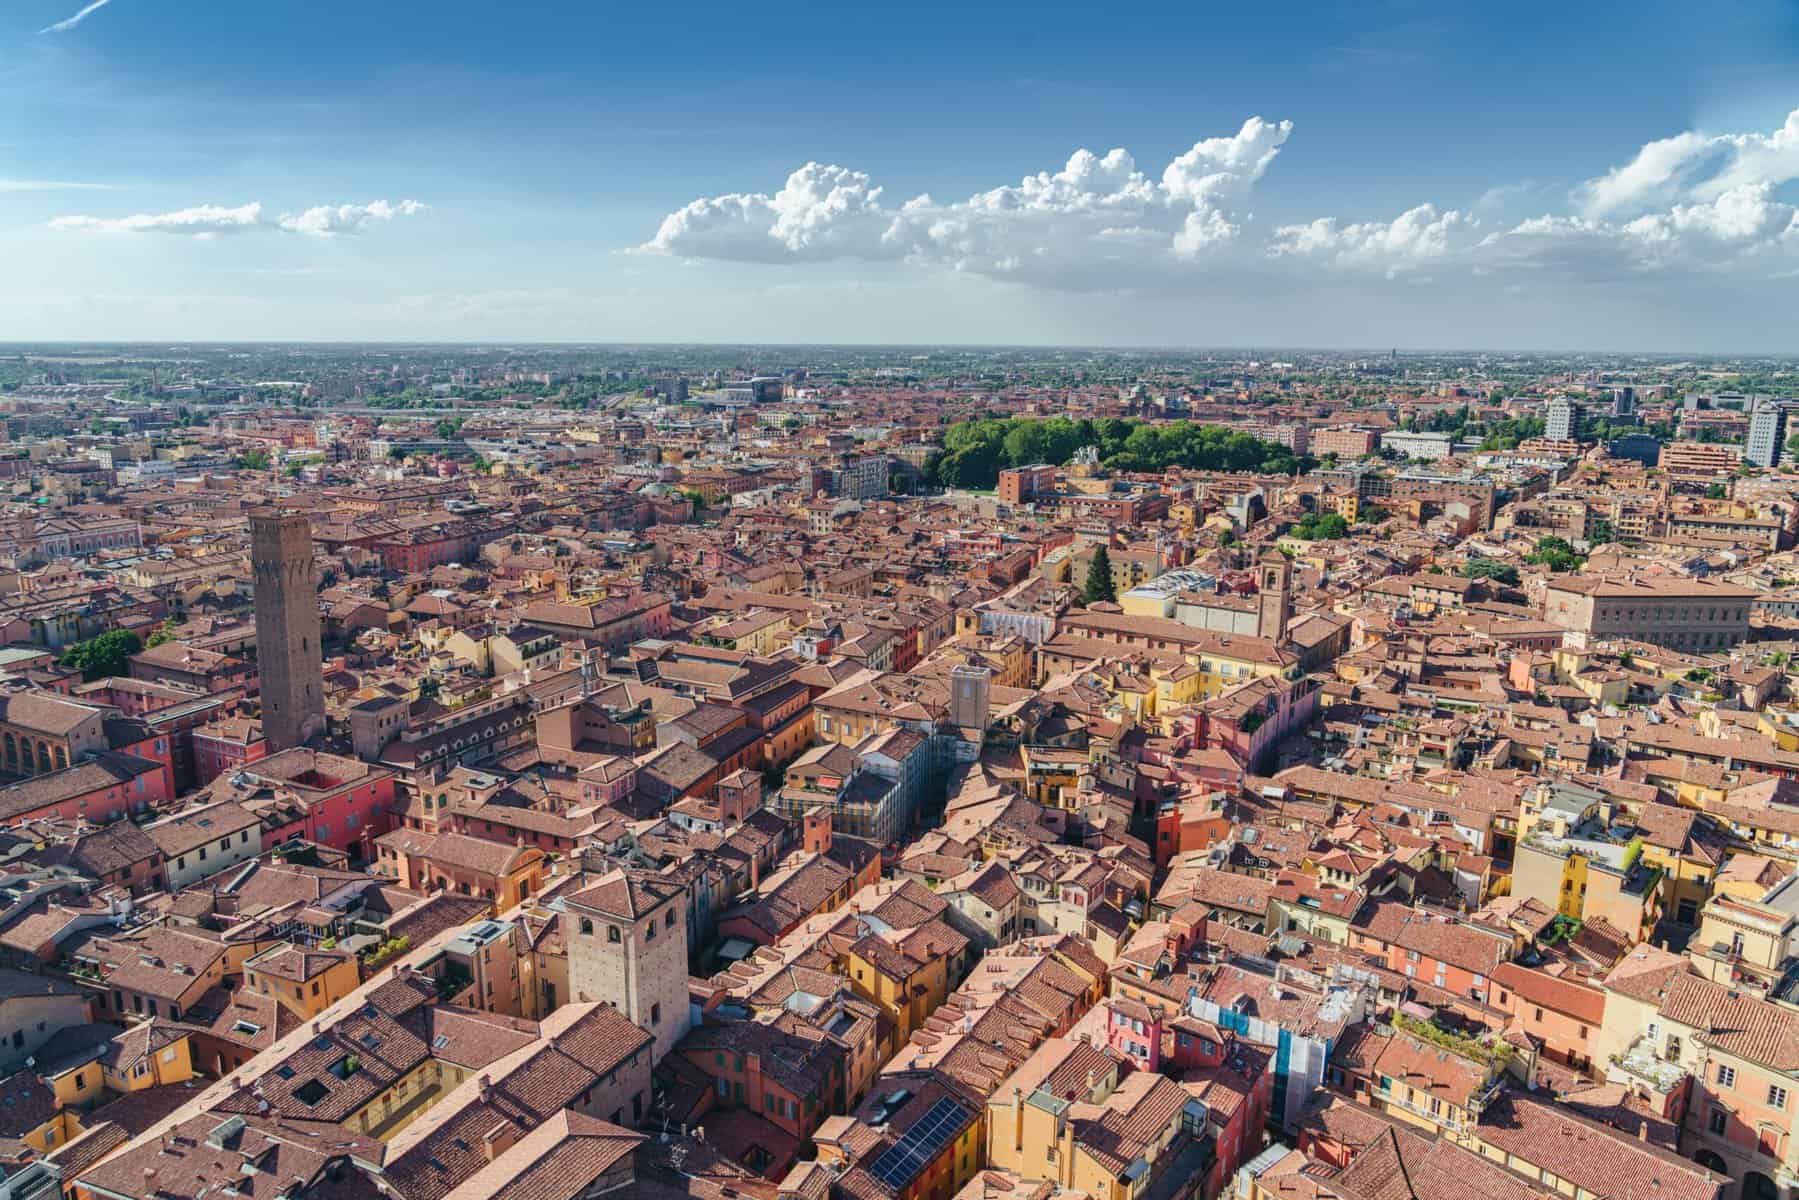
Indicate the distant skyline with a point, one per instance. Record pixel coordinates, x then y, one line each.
1530 177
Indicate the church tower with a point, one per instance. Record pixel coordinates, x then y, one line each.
1274 585
287 628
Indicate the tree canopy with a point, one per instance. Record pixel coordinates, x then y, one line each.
1556 553
1320 527
102 656
974 452
1490 568
1100 586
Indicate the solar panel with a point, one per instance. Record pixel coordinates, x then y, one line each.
902 1161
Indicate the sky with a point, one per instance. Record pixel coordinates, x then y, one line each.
1595 176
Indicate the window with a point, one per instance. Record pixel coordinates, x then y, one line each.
612 933
1719 1119
1727 1076
587 928
1539 1014
655 1014
1777 1096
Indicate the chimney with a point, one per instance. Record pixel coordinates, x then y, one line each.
1643 1130
499 1139
1017 1118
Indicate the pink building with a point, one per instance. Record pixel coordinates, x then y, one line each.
226 745
1134 1032
100 789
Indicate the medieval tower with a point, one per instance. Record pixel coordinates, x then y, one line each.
1274 584
287 628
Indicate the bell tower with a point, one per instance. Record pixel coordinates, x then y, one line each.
1274 585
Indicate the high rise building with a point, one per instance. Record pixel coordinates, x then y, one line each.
287 628
1766 442
1561 420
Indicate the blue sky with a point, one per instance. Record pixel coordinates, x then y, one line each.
1556 176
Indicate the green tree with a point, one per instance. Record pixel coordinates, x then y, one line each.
253 460
1490 568
1556 553
1715 491
1099 579
1321 527
102 656
164 632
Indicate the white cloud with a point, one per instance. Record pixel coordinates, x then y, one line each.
330 220
1097 222
1658 172
202 220
51 185
68 23
1221 170
1694 202
1693 166
1744 228
211 220
1415 238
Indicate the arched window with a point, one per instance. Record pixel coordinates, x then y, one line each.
586 927
612 933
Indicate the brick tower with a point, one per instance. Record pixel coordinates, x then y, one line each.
287 628
1274 604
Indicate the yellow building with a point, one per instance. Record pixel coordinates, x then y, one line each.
1566 861
898 974
304 982
1066 1117
1223 660
148 1055
33 1116
1052 774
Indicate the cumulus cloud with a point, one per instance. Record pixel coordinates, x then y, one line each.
1415 238
1693 166
331 220
1693 202
213 220
1094 222
1744 228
